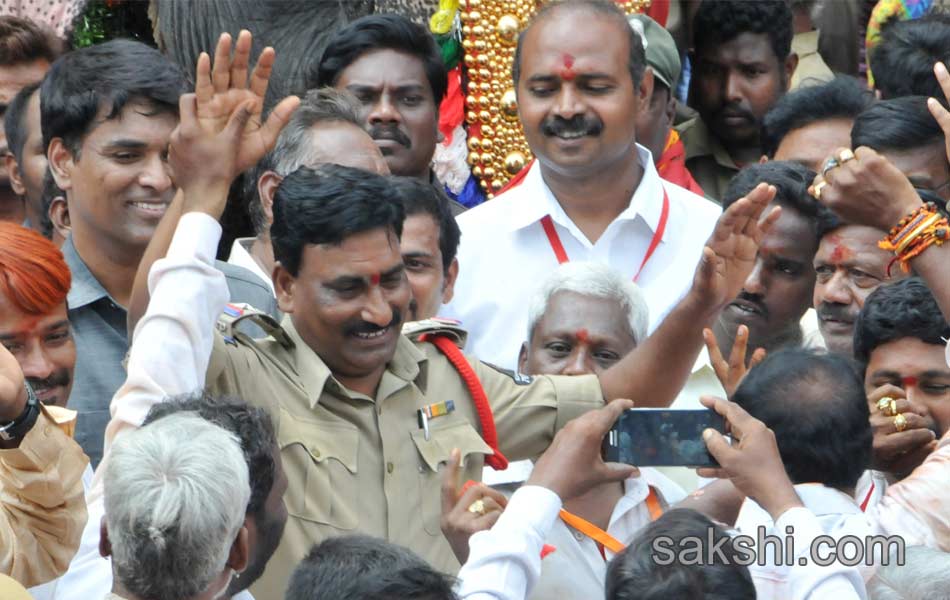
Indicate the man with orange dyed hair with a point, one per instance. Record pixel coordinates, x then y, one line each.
34 282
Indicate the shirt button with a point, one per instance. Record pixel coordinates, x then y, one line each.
579 536
390 467
315 453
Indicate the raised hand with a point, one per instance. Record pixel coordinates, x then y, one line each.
729 254
13 394
731 373
466 511
941 114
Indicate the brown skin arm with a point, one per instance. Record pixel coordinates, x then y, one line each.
655 372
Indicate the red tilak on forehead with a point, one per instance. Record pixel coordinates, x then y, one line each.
582 335
374 278
840 253
909 381
567 73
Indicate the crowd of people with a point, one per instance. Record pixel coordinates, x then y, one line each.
382 394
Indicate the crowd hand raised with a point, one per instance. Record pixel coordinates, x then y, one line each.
458 522
13 396
731 373
898 452
867 189
221 132
729 254
752 462
573 465
941 114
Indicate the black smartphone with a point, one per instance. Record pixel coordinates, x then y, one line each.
651 437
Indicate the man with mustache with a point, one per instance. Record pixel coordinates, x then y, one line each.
394 68
593 194
742 64
107 112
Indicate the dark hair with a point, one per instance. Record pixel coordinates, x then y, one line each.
904 309
636 574
50 192
902 63
816 405
383 32
105 77
294 147
791 181
843 97
721 21
636 63
23 41
252 426
327 204
423 198
14 121
898 124
359 567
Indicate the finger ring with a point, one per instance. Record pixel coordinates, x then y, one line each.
891 408
844 156
817 189
477 507
900 422
830 164
884 405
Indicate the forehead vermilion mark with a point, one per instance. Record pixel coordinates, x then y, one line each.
567 71
909 381
841 253
582 335
375 278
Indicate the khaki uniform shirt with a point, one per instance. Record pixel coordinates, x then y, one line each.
360 464
42 505
707 159
811 69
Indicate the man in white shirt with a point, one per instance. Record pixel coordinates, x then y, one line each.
593 194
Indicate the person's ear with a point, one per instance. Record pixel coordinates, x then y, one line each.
240 553
13 172
448 284
58 213
669 113
267 185
284 287
61 163
523 358
791 63
645 92
105 546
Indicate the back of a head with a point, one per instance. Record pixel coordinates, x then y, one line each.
382 32
328 204
596 280
843 97
14 120
816 405
897 125
34 276
721 21
175 499
105 77
903 309
924 573
22 42
648 570
421 197
903 61
359 567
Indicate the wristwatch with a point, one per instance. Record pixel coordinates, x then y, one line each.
19 427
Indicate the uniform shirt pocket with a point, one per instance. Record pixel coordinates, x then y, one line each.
320 460
434 452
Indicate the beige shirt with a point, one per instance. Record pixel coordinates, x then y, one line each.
357 464
706 158
42 505
811 69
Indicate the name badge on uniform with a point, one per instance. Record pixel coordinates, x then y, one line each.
432 411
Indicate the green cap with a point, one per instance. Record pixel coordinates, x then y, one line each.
662 55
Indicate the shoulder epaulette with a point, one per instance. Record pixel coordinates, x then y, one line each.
414 330
235 313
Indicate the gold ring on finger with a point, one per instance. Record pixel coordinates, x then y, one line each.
830 164
477 507
891 410
883 404
900 422
844 156
817 189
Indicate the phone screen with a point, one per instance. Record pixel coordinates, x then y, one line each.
662 438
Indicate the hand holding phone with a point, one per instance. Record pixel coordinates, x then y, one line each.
649 437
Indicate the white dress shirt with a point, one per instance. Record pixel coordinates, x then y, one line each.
241 257
169 355
504 254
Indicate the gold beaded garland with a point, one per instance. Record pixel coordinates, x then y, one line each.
490 28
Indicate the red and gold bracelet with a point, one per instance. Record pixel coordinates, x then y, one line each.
915 233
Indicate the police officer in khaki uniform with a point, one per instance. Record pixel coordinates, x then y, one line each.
365 416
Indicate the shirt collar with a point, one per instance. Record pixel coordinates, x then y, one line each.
537 200
317 377
805 43
241 257
821 500
699 141
85 288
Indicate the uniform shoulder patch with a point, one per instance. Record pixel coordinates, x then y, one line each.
518 378
414 330
235 313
